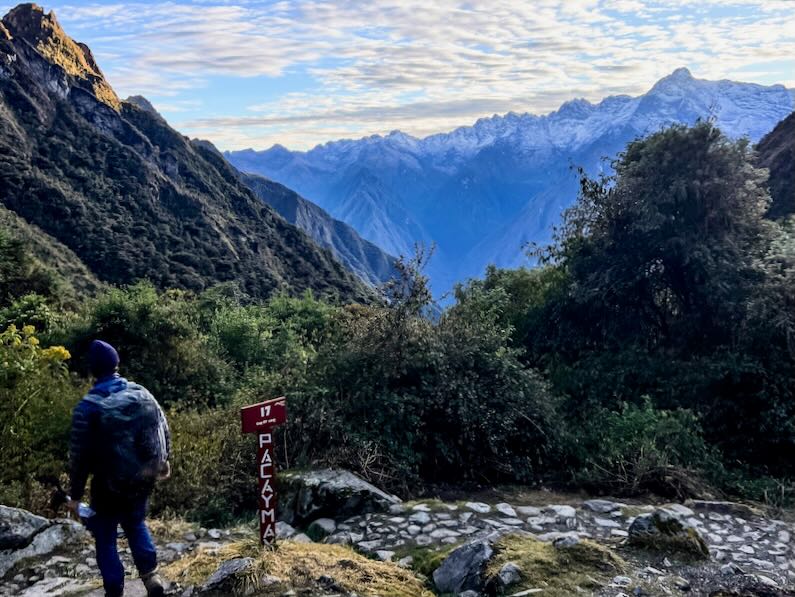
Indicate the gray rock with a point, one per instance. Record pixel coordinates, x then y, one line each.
385 555
765 580
56 585
309 495
463 569
421 518
18 527
177 547
621 581
214 534
478 507
561 512
724 508
61 533
301 538
345 538
284 530
607 523
444 534
406 562
680 510
223 580
601 506
509 574
321 528
528 510
566 541
505 510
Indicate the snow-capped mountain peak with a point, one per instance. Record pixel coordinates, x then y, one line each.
480 191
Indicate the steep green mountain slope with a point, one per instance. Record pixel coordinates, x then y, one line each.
776 152
359 255
130 196
75 281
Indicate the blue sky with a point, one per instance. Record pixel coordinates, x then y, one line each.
249 73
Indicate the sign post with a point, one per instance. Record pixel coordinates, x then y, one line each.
261 419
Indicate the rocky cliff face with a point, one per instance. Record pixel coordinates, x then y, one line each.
29 24
130 196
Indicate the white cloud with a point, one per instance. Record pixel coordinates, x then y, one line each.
418 65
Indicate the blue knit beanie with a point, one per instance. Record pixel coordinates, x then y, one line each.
102 359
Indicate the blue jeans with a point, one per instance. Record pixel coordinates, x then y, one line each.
103 526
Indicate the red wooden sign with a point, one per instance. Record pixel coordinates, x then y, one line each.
260 419
264 415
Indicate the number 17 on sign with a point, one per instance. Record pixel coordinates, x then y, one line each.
261 419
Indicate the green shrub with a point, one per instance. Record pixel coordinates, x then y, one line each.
37 394
213 468
640 449
159 341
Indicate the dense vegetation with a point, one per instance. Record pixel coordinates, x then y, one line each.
653 350
129 195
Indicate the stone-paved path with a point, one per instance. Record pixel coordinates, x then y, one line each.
741 541
736 534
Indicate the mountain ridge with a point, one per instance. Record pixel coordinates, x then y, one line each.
481 192
362 257
129 195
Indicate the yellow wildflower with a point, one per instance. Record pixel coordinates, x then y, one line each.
56 353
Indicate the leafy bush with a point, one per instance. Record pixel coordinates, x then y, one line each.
213 467
640 449
37 394
159 343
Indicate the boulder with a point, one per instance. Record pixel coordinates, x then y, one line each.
321 528
307 495
17 527
666 529
462 570
61 532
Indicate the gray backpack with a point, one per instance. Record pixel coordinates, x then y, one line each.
133 440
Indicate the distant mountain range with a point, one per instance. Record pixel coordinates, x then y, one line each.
127 196
480 193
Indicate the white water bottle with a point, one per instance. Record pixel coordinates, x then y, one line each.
84 511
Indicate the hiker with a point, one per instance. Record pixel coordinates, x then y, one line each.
119 436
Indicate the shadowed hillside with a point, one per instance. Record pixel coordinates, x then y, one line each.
129 195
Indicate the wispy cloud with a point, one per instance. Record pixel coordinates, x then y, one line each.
299 71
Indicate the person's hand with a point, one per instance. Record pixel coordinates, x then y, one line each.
165 471
72 506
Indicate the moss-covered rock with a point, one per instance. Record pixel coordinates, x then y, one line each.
295 566
580 568
666 530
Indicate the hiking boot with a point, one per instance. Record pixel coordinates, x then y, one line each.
154 584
